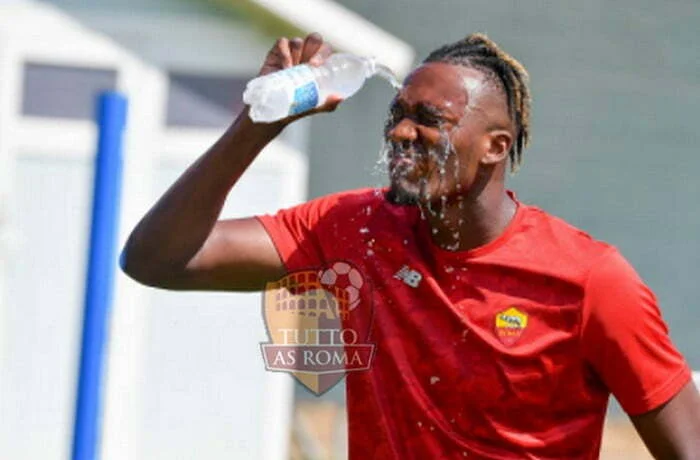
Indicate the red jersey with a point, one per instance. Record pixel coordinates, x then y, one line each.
509 350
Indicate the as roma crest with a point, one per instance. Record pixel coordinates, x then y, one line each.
510 325
318 325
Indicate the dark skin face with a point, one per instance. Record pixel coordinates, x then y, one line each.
447 116
449 134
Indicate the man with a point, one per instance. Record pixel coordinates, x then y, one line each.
515 327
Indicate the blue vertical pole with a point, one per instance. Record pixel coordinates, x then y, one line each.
102 262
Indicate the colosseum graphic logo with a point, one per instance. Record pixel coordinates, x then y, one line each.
318 324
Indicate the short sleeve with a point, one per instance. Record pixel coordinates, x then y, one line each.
296 235
625 339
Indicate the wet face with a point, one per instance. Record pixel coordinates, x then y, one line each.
445 126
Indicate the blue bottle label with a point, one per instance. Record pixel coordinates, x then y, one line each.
305 91
305 98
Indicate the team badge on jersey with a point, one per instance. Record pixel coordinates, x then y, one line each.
309 321
510 325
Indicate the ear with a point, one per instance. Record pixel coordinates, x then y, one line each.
498 144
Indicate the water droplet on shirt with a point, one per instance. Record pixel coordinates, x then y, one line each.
432 428
419 424
405 242
368 210
434 379
449 269
370 252
364 230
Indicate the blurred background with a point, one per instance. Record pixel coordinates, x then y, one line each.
616 87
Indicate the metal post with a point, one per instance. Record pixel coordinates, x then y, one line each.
102 263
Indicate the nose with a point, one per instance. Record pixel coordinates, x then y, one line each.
403 132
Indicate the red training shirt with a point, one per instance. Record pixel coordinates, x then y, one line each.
509 350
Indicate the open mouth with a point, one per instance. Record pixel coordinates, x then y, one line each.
402 163
406 167
402 157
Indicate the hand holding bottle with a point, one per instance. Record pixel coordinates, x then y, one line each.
287 53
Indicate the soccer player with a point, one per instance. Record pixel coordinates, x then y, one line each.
500 330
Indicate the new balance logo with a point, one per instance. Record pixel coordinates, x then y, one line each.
408 276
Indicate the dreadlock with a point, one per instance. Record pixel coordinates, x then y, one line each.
478 51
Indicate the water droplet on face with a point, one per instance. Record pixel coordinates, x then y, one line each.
435 230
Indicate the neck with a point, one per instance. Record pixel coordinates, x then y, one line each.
467 222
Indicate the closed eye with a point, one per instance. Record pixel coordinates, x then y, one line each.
423 114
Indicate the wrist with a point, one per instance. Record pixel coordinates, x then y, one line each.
264 130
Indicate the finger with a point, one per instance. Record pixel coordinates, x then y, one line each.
282 53
321 55
295 47
312 44
332 103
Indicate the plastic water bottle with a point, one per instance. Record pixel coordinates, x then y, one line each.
304 87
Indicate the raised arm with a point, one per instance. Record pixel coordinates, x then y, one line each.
180 243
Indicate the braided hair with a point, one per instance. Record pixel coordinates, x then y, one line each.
479 52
